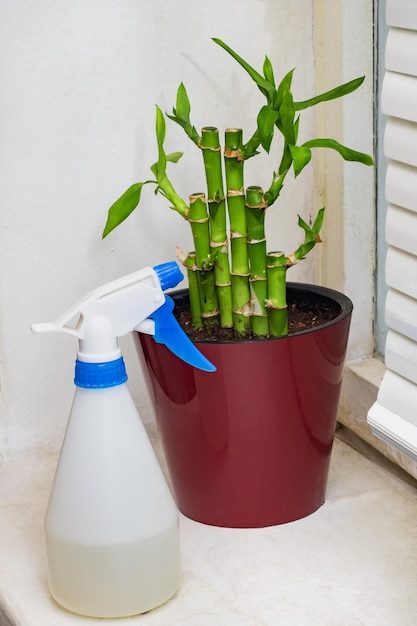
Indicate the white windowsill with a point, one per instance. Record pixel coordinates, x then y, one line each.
241 577
359 392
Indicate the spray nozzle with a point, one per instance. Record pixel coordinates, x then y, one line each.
169 275
133 302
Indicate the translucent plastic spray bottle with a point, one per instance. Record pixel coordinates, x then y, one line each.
111 525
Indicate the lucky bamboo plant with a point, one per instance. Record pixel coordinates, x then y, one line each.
233 280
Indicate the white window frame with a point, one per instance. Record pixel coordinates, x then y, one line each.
346 41
392 416
346 45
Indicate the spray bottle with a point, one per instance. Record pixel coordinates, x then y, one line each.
111 526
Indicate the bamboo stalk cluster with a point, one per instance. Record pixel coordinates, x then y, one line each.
234 281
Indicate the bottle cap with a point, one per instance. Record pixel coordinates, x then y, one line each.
100 375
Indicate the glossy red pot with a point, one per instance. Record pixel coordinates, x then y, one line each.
250 445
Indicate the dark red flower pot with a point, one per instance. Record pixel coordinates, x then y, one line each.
250 445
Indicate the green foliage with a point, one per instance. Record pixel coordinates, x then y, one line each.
265 86
123 207
266 123
347 153
311 235
129 200
333 94
269 71
278 116
181 114
282 109
301 156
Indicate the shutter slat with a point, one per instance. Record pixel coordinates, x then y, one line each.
401 355
401 51
399 96
401 229
401 185
400 140
401 13
401 313
401 271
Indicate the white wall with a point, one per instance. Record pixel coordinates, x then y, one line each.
79 81
346 260
359 209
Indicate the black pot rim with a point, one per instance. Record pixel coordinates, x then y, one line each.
294 289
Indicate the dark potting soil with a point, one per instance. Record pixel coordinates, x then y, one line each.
301 316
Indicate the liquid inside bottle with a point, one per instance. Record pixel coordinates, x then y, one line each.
114 580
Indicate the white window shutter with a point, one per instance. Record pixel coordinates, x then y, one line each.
393 417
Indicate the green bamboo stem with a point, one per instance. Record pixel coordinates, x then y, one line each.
210 147
234 165
199 222
276 263
255 218
193 289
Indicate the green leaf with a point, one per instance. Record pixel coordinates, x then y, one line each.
301 157
182 105
288 128
160 168
154 169
312 232
250 148
164 185
333 94
311 235
268 71
285 85
174 157
318 222
264 85
296 127
266 124
124 206
304 249
286 160
160 126
189 129
309 232
287 114
347 153
181 114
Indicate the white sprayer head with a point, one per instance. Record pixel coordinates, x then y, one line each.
121 306
109 312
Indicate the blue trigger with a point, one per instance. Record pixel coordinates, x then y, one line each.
170 333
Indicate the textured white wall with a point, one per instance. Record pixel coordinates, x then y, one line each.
79 81
346 260
359 207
